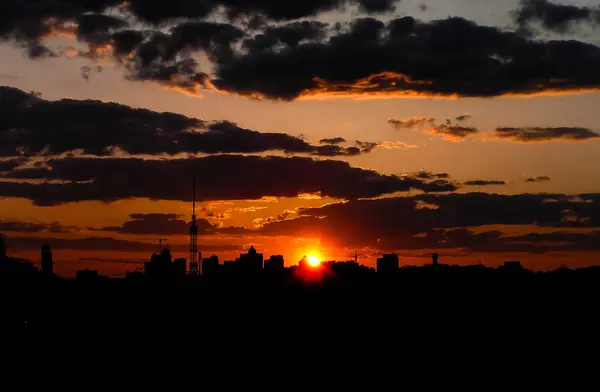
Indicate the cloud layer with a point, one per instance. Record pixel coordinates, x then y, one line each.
540 134
224 177
449 221
403 56
32 126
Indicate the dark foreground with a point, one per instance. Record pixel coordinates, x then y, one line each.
372 334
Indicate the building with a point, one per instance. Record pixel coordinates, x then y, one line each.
434 259
179 268
210 265
275 263
251 261
87 275
161 266
46 260
388 263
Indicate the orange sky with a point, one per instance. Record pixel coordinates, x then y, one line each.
573 167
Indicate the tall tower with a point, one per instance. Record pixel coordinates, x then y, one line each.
194 265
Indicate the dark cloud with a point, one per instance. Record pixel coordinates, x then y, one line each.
28 227
537 134
559 18
10 164
463 117
289 35
158 11
449 57
538 179
108 244
224 177
168 224
484 182
425 175
440 221
452 132
96 28
411 122
34 126
335 140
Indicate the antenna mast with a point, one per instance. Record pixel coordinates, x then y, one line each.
194 264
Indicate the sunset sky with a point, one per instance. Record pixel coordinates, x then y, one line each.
469 128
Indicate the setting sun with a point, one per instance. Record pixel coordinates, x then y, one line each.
313 261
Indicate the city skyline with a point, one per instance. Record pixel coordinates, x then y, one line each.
467 129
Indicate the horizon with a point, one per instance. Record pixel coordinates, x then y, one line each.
468 129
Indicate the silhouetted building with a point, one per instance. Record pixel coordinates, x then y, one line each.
179 268
251 261
46 260
210 265
388 263
131 275
434 259
3 257
275 263
2 248
87 275
512 267
161 266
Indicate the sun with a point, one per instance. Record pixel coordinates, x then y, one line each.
313 261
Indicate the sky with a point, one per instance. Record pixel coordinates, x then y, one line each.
468 128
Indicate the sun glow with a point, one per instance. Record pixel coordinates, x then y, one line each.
313 261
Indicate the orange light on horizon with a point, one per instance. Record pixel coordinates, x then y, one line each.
313 261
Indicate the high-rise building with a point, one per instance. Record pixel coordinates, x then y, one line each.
388 263
46 260
250 261
210 266
179 268
434 259
274 263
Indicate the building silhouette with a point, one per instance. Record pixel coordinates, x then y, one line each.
251 261
162 266
87 275
388 263
210 265
275 263
434 259
46 260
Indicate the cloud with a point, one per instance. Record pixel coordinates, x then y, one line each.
484 182
28 227
168 224
403 58
425 175
335 140
35 126
559 18
452 132
395 145
8 165
463 117
538 179
537 134
108 244
448 221
411 122
223 177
